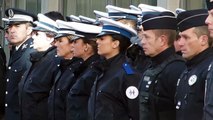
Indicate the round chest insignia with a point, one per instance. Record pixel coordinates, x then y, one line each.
132 92
10 13
192 80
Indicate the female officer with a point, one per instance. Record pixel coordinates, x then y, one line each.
84 47
114 94
65 78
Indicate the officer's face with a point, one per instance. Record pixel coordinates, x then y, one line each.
150 43
107 47
209 22
190 44
80 48
64 47
41 42
18 33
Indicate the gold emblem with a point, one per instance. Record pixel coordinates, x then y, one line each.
10 13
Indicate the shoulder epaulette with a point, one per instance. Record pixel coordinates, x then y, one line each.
128 69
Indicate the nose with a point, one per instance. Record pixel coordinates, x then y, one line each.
207 20
180 41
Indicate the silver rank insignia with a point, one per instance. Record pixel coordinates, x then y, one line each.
132 92
24 46
10 13
192 80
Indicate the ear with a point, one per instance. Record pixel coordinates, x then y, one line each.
86 47
204 39
115 44
164 40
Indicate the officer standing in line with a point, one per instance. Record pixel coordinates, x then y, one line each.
66 77
19 31
157 86
84 47
208 100
114 95
36 83
2 80
195 45
130 18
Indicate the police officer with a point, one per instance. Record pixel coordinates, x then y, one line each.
130 18
195 45
208 103
19 31
2 80
157 86
37 81
84 47
114 94
66 77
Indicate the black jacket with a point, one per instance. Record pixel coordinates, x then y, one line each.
2 80
114 94
19 62
160 103
191 87
77 99
36 83
64 80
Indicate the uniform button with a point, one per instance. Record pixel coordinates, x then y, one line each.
9 67
6 92
8 80
58 89
15 70
58 65
5 104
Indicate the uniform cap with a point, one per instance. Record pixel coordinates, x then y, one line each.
45 24
132 7
122 13
73 18
17 16
191 18
209 4
160 20
63 29
179 10
100 14
113 27
147 9
82 29
87 20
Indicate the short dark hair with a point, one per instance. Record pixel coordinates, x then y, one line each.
54 15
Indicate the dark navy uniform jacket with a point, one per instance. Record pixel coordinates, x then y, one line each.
208 98
35 86
2 80
114 94
191 87
19 62
161 104
64 80
77 99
